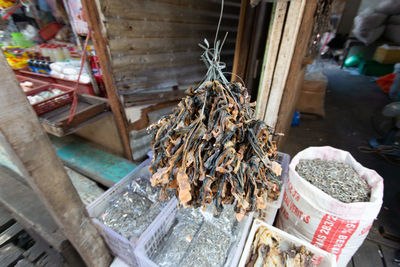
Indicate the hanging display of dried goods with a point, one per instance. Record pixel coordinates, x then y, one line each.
213 149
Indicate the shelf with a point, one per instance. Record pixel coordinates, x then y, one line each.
89 109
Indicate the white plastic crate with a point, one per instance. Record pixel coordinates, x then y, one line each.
269 213
149 243
119 245
323 258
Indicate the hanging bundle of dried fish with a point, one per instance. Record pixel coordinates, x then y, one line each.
213 149
266 251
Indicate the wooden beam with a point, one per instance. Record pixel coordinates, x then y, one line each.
271 53
286 51
296 71
242 47
98 32
44 171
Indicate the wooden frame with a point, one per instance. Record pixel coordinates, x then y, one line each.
283 70
97 30
29 147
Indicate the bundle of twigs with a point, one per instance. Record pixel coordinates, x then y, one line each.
213 149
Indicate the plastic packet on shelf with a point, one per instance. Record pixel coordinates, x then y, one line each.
210 247
57 91
176 243
45 94
131 212
197 233
225 220
143 186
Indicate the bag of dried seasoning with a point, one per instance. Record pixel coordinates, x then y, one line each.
330 200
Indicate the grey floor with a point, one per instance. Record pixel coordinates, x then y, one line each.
351 102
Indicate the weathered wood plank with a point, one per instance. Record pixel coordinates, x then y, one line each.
123 45
47 177
155 11
101 46
286 51
368 255
296 72
272 47
149 98
242 41
135 28
132 62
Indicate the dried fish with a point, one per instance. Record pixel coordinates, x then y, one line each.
337 179
213 150
266 251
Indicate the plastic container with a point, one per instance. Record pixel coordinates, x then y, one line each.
119 245
149 242
268 215
52 102
321 258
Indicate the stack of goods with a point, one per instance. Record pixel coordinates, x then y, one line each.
266 251
69 69
16 57
382 20
43 95
337 179
132 211
7 3
198 239
213 149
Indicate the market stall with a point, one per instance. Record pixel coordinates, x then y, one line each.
214 190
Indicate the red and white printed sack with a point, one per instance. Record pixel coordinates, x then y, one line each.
314 216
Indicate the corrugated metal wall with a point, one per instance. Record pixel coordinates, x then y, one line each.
154 44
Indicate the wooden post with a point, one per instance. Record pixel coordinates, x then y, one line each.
92 15
44 171
243 37
296 71
283 71
286 50
271 53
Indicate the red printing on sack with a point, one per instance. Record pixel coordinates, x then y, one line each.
294 209
333 233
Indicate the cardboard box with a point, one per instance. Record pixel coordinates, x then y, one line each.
387 54
312 97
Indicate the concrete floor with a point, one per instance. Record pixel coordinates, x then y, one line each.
351 100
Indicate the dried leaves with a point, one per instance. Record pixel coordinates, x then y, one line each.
212 149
